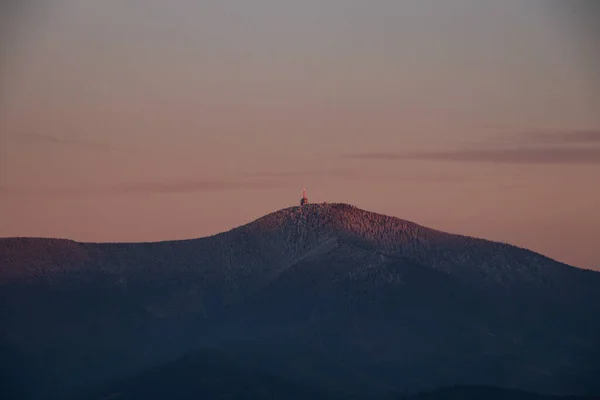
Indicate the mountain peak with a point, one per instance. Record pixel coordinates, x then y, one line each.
302 229
343 219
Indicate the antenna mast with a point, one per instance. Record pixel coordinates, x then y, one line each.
304 200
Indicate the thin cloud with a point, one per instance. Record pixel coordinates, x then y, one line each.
135 188
337 174
51 191
314 173
574 136
61 141
499 156
189 186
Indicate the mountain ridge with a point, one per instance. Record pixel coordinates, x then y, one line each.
261 221
255 253
330 217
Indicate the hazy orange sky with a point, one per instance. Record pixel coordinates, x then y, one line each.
148 120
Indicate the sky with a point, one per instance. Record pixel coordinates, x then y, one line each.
147 120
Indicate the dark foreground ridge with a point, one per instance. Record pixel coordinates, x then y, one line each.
208 374
325 297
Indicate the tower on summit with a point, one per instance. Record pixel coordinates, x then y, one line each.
304 200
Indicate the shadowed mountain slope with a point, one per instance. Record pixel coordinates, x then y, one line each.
208 375
488 393
335 295
214 375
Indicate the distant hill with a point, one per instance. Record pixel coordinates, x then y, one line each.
335 297
208 375
489 393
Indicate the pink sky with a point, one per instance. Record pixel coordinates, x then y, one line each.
152 120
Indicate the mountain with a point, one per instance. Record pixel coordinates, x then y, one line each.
327 296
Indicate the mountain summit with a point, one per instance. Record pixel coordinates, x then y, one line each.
327 295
